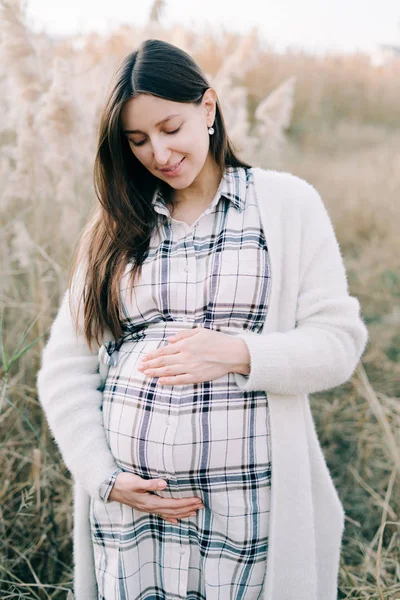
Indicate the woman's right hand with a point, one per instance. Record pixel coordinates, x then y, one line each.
135 491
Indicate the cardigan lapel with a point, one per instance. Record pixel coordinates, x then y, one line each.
291 550
85 585
306 514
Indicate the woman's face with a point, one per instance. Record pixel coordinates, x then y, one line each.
162 133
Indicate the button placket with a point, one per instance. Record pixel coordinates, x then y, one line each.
166 445
177 585
183 556
191 268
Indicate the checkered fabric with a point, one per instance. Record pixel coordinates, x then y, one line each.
209 439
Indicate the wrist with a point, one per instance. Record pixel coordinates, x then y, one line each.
240 357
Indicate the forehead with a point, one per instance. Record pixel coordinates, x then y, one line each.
146 110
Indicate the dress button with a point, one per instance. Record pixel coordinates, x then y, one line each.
167 422
182 551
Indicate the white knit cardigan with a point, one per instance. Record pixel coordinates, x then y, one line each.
312 340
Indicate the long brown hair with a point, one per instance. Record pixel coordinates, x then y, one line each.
120 229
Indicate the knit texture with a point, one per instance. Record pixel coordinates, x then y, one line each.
324 348
67 385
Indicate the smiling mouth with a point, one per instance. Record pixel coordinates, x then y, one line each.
171 168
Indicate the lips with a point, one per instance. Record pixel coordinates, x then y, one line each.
166 169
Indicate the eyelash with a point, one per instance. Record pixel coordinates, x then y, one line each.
167 132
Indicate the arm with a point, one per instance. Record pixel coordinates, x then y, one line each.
324 348
67 384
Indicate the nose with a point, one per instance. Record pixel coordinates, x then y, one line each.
161 152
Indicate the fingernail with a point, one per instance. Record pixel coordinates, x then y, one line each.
162 484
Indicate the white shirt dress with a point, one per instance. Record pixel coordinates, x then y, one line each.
210 439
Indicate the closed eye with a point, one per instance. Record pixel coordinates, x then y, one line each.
167 132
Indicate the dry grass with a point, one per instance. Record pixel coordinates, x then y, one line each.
344 138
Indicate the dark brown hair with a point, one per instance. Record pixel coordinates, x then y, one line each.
120 229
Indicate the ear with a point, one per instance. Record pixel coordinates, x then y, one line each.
210 105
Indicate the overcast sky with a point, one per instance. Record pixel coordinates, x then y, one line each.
316 25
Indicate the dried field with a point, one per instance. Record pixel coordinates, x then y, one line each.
334 121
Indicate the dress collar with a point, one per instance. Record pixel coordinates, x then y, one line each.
232 186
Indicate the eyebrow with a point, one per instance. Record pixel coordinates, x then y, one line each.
157 124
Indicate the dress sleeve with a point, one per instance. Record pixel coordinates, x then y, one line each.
69 384
107 486
324 348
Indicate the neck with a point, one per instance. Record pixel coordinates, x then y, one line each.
202 190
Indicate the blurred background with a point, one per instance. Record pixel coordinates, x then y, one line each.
312 88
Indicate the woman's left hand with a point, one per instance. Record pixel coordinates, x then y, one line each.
196 355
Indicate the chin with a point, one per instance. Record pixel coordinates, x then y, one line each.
179 185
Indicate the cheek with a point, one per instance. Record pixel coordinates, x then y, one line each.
141 154
196 143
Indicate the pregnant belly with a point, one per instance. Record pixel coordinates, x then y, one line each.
198 437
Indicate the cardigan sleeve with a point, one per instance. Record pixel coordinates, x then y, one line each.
329 337
68 384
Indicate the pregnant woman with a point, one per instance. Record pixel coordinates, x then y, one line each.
206 300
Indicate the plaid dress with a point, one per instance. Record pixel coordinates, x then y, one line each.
208 439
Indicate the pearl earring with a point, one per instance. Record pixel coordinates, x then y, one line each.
211 130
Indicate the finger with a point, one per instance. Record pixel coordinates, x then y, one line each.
177 514
180 335
161 504
183 379
161 367
174 349
167 373
182 514
169 519
172 374
170 512
174 520
150 485
173 504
